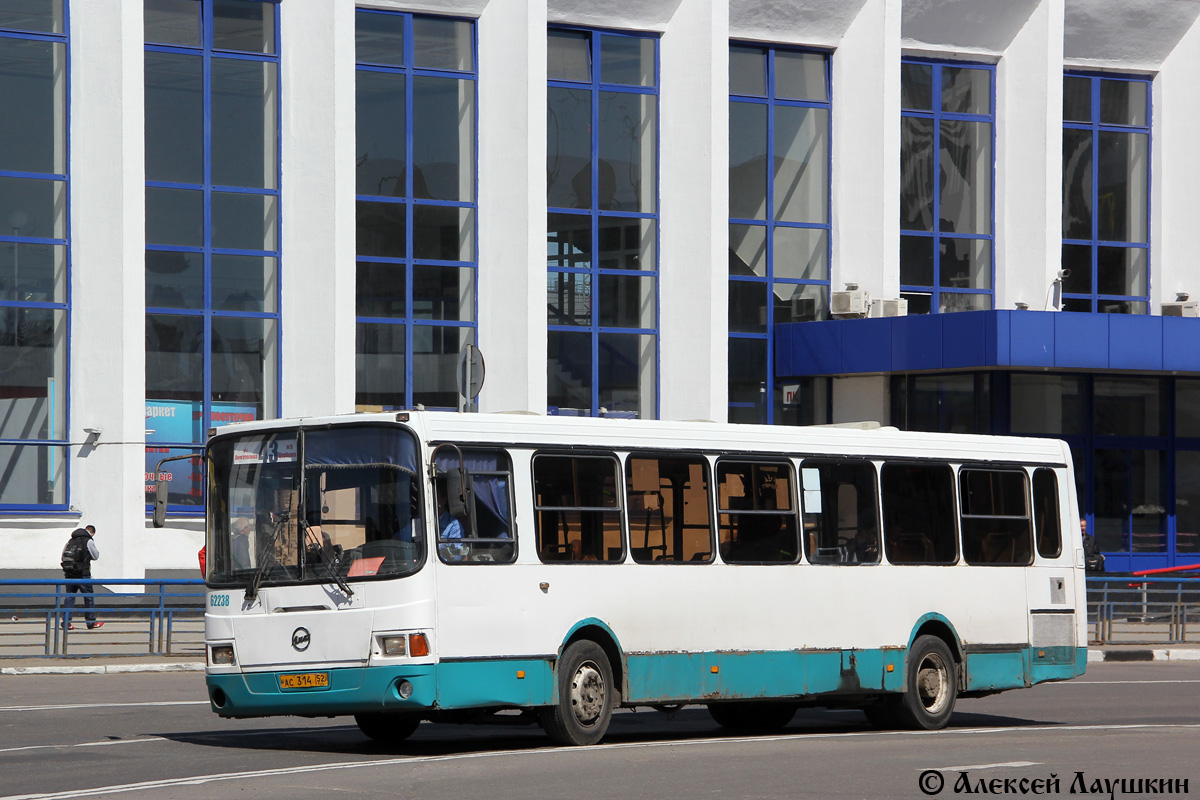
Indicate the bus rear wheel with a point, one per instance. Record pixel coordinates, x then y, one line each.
752 716
585 696
387 727
931 685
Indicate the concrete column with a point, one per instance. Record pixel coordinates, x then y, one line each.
862 398
694 212
317 268
512 205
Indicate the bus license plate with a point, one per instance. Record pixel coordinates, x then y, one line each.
305 680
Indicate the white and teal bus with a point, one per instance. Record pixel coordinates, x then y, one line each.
411 566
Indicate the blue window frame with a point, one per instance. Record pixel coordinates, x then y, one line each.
779 231
34 257
1106 193
416 207
212 225
602 223
947 142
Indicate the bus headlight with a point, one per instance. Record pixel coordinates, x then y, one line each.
394 645
221 655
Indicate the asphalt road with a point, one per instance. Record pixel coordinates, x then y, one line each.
152 736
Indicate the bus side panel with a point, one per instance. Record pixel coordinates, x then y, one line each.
665 677
503 682
997 670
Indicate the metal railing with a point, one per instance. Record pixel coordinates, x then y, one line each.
1142 610
161 617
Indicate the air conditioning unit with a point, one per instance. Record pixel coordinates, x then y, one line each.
851 303
889 308
1187 308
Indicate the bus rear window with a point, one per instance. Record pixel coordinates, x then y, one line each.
669 519
756 522
918 513
577 509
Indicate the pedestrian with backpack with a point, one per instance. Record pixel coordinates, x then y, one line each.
77 558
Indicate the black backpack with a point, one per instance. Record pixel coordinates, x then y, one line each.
75 556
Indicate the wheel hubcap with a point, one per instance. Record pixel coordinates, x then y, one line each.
588 693
933 684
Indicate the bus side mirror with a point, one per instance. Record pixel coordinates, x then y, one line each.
460 495
160 502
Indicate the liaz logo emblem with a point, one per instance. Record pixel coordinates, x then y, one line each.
300 639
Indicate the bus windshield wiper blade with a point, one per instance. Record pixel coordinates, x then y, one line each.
268 559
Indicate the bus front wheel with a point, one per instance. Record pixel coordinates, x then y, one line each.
931 685
387 727
585 696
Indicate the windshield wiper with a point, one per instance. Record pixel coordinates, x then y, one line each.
268 559
332 564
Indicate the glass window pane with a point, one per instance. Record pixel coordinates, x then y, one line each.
172 22
1123 102
34 474
444 139
916 174
175 217
1046 513
174 279
33 207
381 229
757 523
1187 502
244 283
916 87
918 303
918 514
174 118
966 177
627 367
569 148
569 298
243 123
175 364
378 38
949 302
444 293
33 79
1129 407
1077 99
627 243
626 59
668 509
1187 409
747 71
1121 270
799 302
569 371
33 373
379 366
442 44
1121 307
748 371
1077 261
38 16
1048 404
628 143
966 90
800 76
380 290
747 161
965 264
748 250
244 221
243 365
435 364
246 25
379 107
1124 176
627 301
916 261
1077 184
801 188
568 240
568 56
801 254
443 233
1129 511
747 307
33 272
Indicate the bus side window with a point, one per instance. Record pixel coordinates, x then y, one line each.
668 502
756 515
840 525
995 517
577 508
485 535
918 513
1046 513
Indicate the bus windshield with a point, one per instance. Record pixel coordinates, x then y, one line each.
353 510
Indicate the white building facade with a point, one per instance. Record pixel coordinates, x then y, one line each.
214 210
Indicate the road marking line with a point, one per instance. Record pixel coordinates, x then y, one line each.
66 707
986 766
83 744
200 780
1117 683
